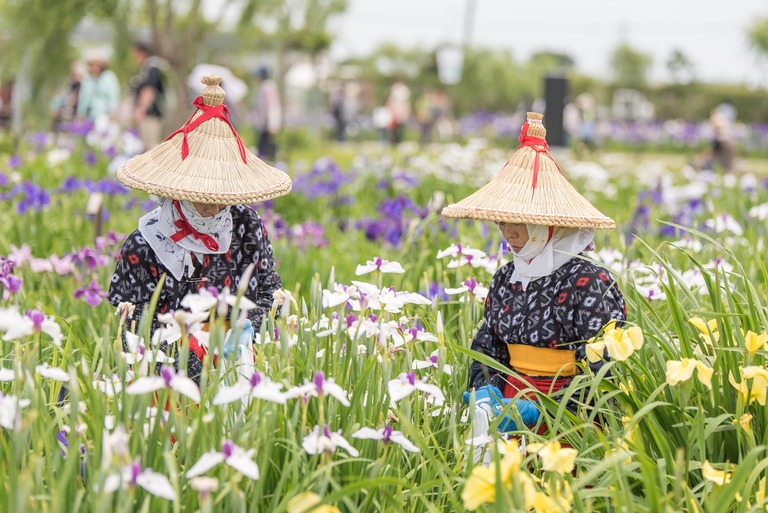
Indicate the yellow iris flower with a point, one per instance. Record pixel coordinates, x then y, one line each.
682 370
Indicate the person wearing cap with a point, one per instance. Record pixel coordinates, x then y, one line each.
99 96
202 235
148 87
545 304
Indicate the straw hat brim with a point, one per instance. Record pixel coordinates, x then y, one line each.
213 172
512 198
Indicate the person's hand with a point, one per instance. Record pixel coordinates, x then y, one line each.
237 337
491 400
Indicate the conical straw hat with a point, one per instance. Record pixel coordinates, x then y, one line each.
205 161
531 189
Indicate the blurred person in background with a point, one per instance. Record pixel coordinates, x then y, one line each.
6 107
723 119
267 118
722 151
399 107
431 107
65 102
99 96
339 111
148 86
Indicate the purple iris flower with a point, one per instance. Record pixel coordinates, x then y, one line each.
90 159
37 317
14 162
92 294
33 198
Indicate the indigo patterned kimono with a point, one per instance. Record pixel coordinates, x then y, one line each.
138 271
559 311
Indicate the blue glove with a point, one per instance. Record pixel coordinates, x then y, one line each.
490 399
244 339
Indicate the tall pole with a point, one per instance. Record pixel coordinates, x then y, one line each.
469 23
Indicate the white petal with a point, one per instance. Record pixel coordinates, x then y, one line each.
392 267
451 251
206 462
421 364
53 330
312 442
320 353
301 391
145 385
413 298
425 336
367 433
398 389
340 441
400 439
231 394
23 327
7 374
431 390
133 341
332 389
156 484
243 464
186 386
112 483
459 290
333 299
365 269
54 373
199 302
447 369
243 305
269 392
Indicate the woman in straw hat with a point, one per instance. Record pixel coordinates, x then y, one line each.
544 305
202 236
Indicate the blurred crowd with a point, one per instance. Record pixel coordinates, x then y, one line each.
132 116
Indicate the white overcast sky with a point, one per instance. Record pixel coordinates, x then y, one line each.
712 33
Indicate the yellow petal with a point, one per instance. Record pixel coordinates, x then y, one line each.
679 371
754 342
719 477
705 374
611 325
303 502
699 323
619 345
595 351
480 487
555 458
636 336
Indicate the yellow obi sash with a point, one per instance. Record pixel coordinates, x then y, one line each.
542 361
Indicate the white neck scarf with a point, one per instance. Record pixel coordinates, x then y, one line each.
158 227
542 255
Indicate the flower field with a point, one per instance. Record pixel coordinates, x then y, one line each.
352 398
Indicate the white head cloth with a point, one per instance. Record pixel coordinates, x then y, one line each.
158 227
542 255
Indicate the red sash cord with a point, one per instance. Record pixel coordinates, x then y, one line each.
539 146
220 111
186 229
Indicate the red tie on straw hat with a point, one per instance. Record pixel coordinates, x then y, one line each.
539 146
186 229
209 112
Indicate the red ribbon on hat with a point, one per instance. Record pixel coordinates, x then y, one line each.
539 145
186 229
209 112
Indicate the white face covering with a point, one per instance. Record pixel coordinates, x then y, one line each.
159 226
542 255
